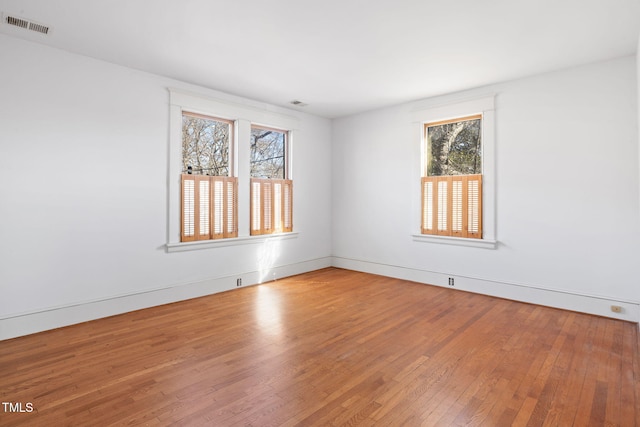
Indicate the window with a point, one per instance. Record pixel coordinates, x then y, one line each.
209 194
452 182
210 175
271 191
468 170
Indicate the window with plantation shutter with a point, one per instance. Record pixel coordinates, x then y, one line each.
452 185
271 193
452 206
209 195
221 193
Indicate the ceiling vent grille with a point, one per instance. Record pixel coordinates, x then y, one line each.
22 23
27 25
38 27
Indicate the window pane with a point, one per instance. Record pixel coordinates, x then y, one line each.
454 148
205 146
267 153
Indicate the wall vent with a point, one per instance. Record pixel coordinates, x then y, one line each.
26 24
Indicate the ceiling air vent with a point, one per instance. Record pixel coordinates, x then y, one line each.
38 27
27 25
22 23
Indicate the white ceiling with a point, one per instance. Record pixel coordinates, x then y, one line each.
339 56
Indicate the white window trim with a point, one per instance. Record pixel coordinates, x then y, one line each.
233 241
458 241
243 116
485 106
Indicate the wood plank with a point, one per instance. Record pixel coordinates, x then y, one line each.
330 347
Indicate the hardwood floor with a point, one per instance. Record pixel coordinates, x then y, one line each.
331 347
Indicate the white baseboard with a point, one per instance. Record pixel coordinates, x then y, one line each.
21 324
591 304
16 325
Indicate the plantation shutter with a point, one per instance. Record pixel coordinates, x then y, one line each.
452 205
474 206
231 211
203 221
188 210
287 206
427 206
442 206
267 207
271 206
209 207
218 209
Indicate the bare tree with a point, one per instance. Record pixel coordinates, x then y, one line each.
267 153
205 146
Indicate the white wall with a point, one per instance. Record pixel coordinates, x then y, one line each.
566 188
84 161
